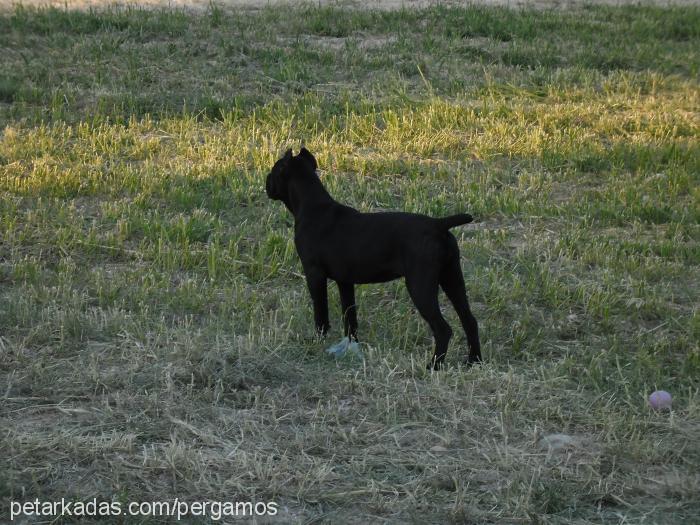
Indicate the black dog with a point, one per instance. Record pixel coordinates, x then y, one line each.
338 242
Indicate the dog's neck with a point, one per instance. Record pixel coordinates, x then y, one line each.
306 193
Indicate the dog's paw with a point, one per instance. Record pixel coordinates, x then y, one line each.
470 362
433 365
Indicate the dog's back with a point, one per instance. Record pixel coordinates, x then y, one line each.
360 248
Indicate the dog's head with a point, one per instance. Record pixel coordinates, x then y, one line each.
284 170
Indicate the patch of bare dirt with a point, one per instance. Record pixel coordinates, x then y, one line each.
203 5
363 42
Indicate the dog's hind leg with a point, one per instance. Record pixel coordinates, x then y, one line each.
347 304
452 283
424 293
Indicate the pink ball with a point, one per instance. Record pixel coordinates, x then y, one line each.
660 400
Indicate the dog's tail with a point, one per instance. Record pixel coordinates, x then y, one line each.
454 220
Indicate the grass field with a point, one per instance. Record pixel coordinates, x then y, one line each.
156 335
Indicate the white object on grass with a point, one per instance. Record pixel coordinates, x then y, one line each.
660 400
343 347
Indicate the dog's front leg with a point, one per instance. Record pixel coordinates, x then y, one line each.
349 308
318 288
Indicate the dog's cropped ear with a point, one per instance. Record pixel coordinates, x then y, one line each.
287 155
306 154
